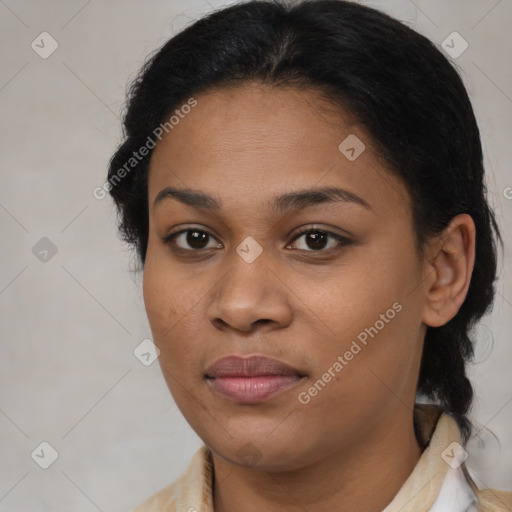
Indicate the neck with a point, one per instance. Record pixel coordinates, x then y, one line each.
364 476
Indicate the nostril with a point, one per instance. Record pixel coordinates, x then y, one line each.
263 321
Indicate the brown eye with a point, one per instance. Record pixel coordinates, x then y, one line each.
191 239
317 240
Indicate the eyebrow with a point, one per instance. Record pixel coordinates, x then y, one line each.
290 201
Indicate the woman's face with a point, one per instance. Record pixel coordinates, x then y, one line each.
345 313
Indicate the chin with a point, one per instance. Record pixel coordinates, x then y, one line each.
262 453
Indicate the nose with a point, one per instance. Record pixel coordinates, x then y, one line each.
250 295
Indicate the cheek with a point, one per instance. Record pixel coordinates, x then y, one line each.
365 314
158 302
167 297
173 307
162 302
347 301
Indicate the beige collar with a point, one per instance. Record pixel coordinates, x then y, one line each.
441 462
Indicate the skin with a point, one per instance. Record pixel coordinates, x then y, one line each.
353 445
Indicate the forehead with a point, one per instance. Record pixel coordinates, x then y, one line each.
261 141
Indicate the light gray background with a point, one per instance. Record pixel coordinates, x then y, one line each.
69 326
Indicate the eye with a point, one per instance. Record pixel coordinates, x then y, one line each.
318 239
196 239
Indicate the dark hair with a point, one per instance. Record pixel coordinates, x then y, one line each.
398 85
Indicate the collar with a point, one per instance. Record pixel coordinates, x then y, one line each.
439 481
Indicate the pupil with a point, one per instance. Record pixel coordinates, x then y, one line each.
194 237
315 237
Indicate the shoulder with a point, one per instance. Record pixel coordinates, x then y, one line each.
489 500
492 500
191 492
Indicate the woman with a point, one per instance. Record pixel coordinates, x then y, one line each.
305 190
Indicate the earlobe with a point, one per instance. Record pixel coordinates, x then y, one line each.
451 266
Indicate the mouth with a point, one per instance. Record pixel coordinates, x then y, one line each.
253 379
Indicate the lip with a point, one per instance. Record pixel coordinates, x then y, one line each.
253 366
251 379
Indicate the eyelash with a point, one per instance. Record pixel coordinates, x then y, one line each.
343 241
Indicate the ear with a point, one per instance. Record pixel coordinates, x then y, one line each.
450 266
